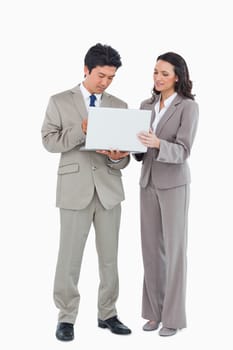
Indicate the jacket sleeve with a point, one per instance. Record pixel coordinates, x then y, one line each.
57 138
179 150
139 156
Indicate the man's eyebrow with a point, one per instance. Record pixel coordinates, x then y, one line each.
110 76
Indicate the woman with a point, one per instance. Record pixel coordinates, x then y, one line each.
164 194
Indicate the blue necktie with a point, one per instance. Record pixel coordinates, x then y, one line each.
92 100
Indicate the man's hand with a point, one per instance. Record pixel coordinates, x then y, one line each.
84 126
114 154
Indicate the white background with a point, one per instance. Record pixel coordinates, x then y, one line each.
43 44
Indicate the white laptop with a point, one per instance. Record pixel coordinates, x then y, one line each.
116 128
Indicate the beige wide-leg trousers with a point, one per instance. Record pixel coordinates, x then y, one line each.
164 245
75 226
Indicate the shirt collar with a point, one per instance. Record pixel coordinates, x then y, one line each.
86 93
169 100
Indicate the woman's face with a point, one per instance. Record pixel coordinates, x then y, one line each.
165 77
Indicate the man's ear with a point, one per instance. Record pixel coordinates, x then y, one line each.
86 71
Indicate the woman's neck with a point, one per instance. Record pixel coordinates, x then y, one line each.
166 94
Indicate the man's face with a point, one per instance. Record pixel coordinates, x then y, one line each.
99 78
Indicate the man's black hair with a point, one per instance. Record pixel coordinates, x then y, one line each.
102 55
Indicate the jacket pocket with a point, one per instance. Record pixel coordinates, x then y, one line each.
68 169
116 172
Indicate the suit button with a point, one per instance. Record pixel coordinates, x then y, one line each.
93 168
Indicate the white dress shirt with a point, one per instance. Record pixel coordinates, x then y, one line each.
159 113
86 95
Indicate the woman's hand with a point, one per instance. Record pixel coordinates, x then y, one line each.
149 139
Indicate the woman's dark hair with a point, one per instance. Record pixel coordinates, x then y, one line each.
102 55
184 85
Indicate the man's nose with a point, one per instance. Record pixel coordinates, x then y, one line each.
104 82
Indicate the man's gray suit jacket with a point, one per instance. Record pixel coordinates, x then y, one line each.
80 172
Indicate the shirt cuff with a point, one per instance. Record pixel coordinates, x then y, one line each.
114 160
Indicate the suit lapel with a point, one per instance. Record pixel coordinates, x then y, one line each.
168 114
80 104
79 101
105 100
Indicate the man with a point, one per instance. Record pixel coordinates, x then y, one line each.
89 190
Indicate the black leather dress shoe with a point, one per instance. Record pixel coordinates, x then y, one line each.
114 325
65 331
